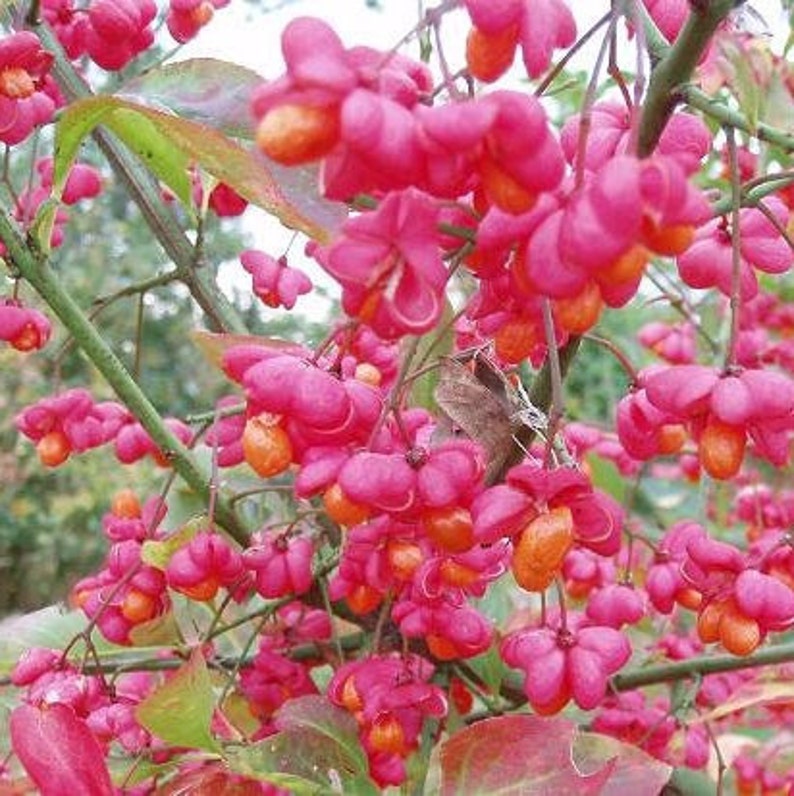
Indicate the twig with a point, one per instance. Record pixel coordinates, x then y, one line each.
35 269
736 255
705 664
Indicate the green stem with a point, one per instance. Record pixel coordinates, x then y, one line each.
675 68
136 662
720 112
736 255
158 280
752 196
36 271
655 42
694 667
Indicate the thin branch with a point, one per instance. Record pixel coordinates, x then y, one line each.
557 406
622 359
562 63
736 255
717 110
37 272
695 667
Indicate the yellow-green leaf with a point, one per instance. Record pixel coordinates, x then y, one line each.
180 710
158 553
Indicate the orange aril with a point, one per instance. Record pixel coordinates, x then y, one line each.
721 449
671 438
387 735
266 446
670 241
503 190
404 558
367 373
539 551
515 340
489 56
126 504
708 624
202 591
341 509
53 449
138 606
628 267
450 528
442 648
363 599
295 134
581 312
739 634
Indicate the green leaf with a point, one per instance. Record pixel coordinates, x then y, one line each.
44 223
50 627
691 783
207 90
158 553
315 751
180 710
489 666
154 149
606 477
140 770
428 350
513 755
778 106
742 81
134 127
167 145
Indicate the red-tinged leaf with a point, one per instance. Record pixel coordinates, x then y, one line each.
514 755
299 188
315 750
213 345
212 779
633 771
207 90
167 144
162 631
318 716
180 711
237 711
59 752
289 194
750 695
20 786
